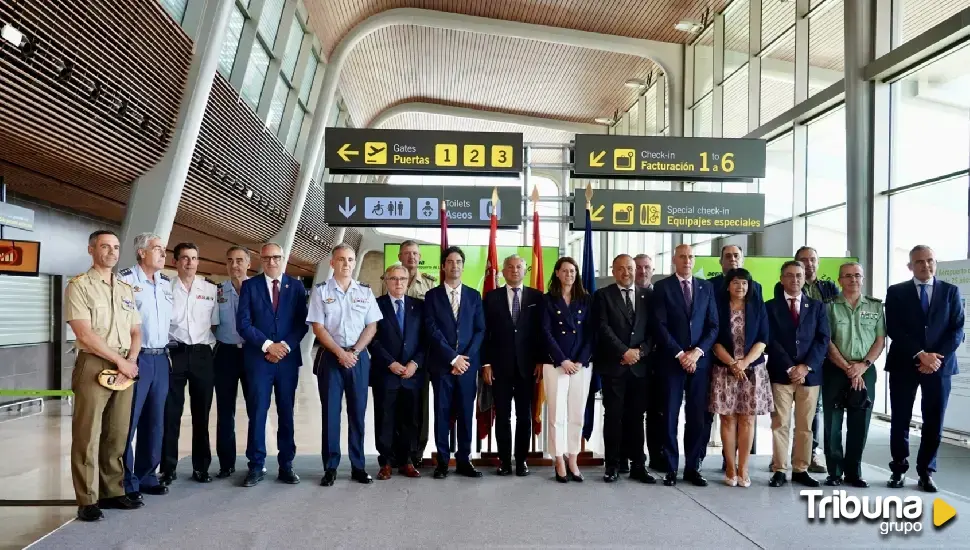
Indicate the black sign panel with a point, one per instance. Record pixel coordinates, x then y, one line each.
669 158
671 211
366 151
350 205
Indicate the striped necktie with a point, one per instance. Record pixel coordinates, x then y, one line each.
454 302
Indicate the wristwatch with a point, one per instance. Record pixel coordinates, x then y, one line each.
867 363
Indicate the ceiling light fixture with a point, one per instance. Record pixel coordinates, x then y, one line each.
12 35
688 26
65 68
603 120
635 83
248 193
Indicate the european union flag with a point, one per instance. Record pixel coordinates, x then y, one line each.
589 283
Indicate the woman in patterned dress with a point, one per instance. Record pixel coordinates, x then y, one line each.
740 388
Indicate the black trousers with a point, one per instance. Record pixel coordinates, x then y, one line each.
396 417
509 385
192 365
624 398
229 375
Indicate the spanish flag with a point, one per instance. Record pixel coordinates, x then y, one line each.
485 410
537 282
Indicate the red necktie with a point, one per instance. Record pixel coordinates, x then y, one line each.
793 311
276 294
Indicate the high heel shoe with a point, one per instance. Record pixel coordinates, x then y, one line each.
731 481
574 477
744 482
559 478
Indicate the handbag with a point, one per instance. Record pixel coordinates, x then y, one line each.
109 379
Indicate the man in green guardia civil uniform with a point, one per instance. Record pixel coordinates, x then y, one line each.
858 326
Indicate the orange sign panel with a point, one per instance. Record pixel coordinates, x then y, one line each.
19 257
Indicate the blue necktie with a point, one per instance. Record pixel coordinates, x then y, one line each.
924 299
400 314
516 306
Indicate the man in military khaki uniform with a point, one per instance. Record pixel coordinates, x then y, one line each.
102 313
858 326
418 285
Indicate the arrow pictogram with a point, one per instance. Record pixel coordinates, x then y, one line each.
595 160
346 209
345 153
596 214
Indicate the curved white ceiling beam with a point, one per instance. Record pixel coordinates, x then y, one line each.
489 116
669 56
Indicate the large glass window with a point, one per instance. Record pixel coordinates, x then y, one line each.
704 63
778 79
934 215
826 47
269 21
255 75
779 182
776 17
704 117
292 53
919 16
175 8
931 134
826 232
275 115
296 126
826 161
307 85
651 111
736 104
736 29
228 56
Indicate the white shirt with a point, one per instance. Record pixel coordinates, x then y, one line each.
194 312
929 288
454 294
798 301
510 294
344 315
632 294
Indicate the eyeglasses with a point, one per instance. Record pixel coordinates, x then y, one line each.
852 276
397 279
276 259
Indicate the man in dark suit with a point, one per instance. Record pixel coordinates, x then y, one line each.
621 312
656 425
398 373
510 355
686 325
799 340
456 327
924 321
272 320
732 257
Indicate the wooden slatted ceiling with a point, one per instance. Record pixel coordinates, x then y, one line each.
921 15
492 73
649 19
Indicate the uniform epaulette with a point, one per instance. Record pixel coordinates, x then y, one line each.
164 277
365 285
211 282
874 299
125 272
124 282
76 278
429 277
318 285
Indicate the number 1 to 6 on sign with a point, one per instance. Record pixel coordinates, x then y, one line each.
721 163
446 154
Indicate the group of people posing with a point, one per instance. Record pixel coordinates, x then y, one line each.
711 347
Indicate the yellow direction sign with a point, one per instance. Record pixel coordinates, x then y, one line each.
345 152
596 214
596 160
942 512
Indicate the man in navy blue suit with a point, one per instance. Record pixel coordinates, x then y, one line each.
272 320
686 324
455 322
398 373
799 340
924 320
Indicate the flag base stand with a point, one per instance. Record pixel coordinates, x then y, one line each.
585 458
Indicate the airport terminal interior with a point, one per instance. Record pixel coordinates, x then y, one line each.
552 128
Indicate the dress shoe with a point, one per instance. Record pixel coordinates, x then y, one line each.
119 503
253 478
287 476
574 477
623 467
201 477
385 473
927 484
225 472
466 469
731 481
895 481
695 478
778 480
802 478
817 466
134 496
641 474
329 476
408 470
610 475
91 512
155 490
670 479
504 469
522 469
360 476
167 478
440 472
833 481
858 483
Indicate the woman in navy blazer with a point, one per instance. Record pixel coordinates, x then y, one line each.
566 380
740 387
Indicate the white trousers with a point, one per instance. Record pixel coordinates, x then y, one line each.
566 399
